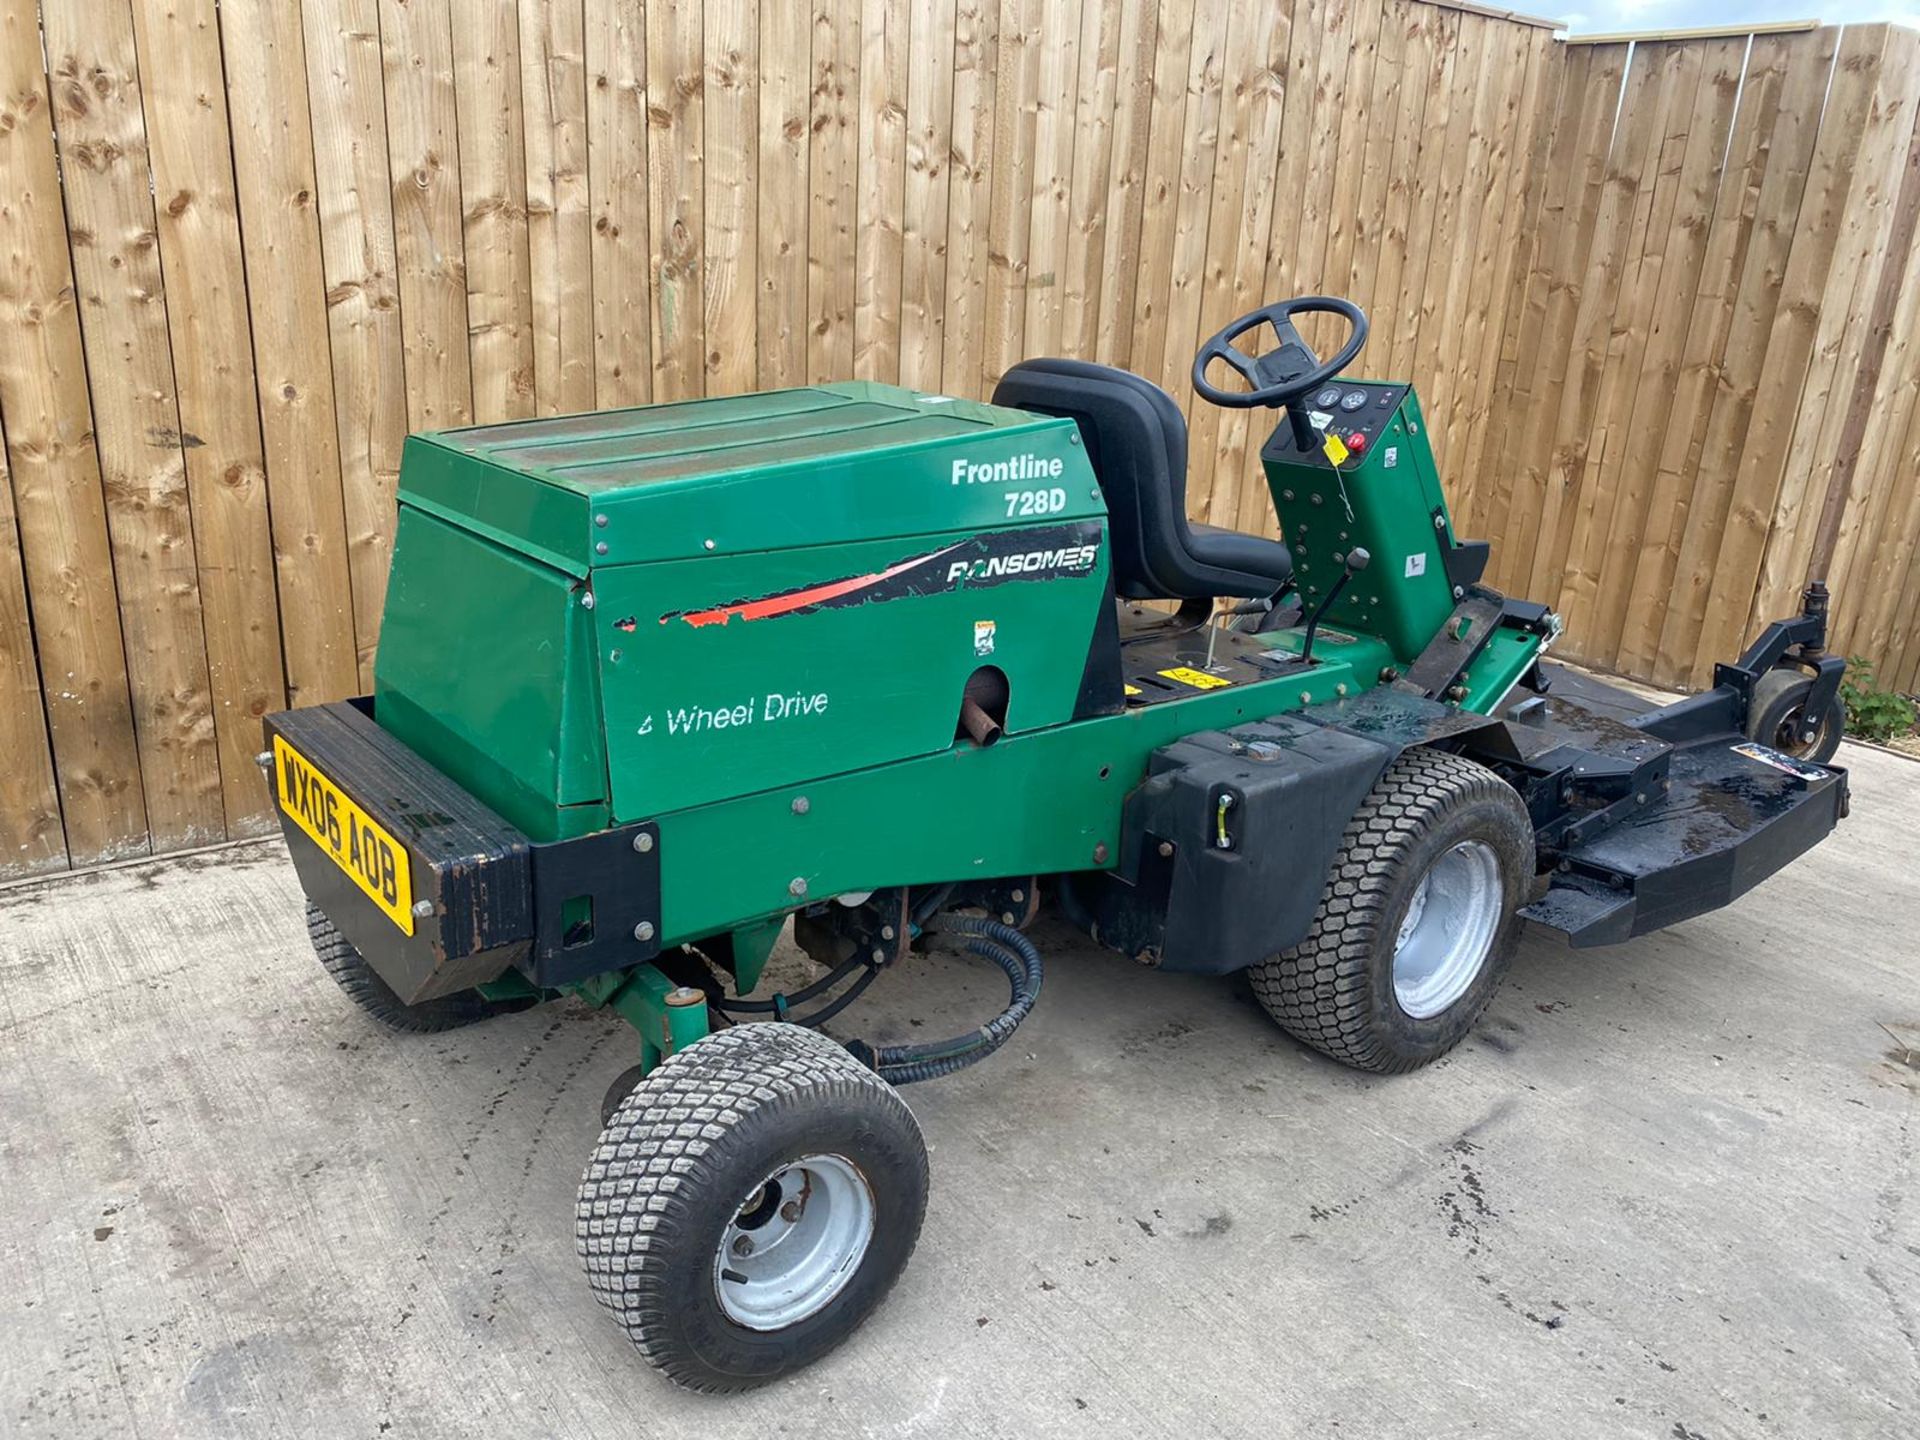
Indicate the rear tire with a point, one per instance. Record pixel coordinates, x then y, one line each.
1418 922
1774 717
749 1204
366 989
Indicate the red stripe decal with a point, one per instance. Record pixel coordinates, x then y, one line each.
801 599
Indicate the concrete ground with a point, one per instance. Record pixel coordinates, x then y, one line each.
1664 1191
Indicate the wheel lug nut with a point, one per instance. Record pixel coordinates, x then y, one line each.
790 1211
743 1246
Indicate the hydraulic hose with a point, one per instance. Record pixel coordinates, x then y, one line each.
1014 954
780 1004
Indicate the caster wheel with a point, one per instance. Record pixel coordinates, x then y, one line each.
749 1204
1777 712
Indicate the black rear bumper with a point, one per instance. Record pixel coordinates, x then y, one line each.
486 898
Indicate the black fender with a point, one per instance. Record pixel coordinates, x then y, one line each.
1227 845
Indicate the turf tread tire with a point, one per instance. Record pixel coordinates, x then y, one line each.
363 986
1329 991
663 1180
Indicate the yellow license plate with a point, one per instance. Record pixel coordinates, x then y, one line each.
372 858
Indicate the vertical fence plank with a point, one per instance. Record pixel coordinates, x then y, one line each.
1247 91
101 133
1381 105
833 164
202 264
60 511
1417 25
1161 200
293 372
423 148
1193 212
1240 237
676 139
1120 251
1453 266
931 64
1320 196
1405 329
32 841
732 138
1867 584
493 197
976 44
1051 218
616 159
1355 127
1506 227
881 187
1499 123
1426 307
363 298
1015 90
553 106
1081 280
786 77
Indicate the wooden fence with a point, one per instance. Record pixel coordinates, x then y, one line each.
245 248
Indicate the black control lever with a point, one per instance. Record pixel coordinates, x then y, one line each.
1304 435
1357 560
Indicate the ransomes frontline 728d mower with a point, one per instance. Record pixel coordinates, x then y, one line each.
654 683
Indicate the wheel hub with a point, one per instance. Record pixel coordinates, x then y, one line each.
1448 929
795 1241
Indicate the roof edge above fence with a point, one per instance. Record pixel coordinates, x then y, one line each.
1705 32
1494 12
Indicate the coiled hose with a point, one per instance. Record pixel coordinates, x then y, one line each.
1013 953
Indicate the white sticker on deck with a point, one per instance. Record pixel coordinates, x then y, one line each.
1416 565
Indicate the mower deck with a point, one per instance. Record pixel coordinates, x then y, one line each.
1705 818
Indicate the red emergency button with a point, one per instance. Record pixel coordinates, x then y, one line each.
1357 442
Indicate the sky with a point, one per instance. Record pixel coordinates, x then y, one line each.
1591 16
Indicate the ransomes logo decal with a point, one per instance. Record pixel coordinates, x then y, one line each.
1070 559
1002 557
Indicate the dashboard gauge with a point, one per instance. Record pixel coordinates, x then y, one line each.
1353 400
1327 398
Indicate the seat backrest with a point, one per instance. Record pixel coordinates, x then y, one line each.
1136 439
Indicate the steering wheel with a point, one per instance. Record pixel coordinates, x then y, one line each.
1290 370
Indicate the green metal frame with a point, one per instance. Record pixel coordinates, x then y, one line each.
579 548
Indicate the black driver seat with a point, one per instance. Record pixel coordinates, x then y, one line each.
1136 439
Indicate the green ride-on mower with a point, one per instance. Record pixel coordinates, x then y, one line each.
653 683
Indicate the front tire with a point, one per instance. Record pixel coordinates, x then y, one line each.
749 1204
1418 922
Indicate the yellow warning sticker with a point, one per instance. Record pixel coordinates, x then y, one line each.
1131 689
1198 679
1336 450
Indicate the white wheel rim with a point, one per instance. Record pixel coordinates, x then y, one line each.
794 1243
1448 929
